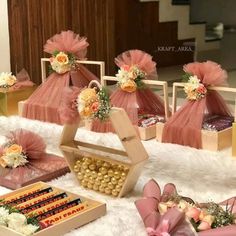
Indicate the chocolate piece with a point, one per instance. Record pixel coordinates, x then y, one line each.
149 120
66 214
43 203
31 196
58 209
217 123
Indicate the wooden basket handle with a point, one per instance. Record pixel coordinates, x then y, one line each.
96 83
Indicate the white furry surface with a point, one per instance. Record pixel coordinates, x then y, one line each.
201 175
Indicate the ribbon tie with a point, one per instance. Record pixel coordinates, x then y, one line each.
162 231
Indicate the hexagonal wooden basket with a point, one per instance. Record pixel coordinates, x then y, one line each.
123 168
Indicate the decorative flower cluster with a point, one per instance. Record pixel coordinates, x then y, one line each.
93 105
194 89
62 62
13 156
202 216
7 80
130 78
13 219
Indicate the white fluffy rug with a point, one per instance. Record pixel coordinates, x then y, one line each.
201 175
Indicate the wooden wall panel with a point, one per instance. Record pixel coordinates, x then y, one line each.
111 26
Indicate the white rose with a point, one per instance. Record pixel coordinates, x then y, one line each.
16 221
28 229
14 160
4 213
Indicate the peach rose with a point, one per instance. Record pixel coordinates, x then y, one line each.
95 106
126 67
11 80
193 213
129 86
14 148
209 219
162 208
204 226
2 163
62 58
87 112
183 205
88 95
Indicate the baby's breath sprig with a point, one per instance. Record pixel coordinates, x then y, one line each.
104 105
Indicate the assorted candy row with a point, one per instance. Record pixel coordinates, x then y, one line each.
45 204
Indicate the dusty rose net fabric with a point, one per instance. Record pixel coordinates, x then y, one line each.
41 166
142 100
44 103
184 127
23 80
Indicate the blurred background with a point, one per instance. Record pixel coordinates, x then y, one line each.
174 32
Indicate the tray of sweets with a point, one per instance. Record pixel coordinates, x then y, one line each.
41 209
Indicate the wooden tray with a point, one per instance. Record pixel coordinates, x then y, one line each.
132 159
211 140
92 212
149 132
101 65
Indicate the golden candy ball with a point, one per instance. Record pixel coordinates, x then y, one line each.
110 172
92 166
89 185
101 189
114 181
114 193
110 185
76 168
100 176
107 191
95 187
107 178
80 176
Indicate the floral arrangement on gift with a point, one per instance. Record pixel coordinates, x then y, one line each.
7 80
62 62
12 218
194 89
130 78
202 216
92 104
171 214
12 156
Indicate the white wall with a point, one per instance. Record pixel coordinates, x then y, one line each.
4 38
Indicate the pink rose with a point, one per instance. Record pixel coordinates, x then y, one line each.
126 67
204 226
95 106
193 213
201 89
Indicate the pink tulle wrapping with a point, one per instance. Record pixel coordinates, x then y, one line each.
68 110
32 144
41 166
143 100
184 127
177 224
23 80
45 102
67 41
43 169
148 210
139 58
